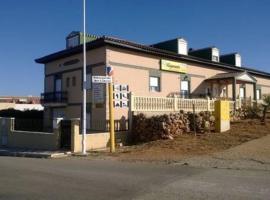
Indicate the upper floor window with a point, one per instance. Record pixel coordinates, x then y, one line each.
58 84
73 41
154 84
215 58
73 81
67 82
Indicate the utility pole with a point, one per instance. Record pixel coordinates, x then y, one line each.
84 83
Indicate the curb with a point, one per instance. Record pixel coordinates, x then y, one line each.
33 154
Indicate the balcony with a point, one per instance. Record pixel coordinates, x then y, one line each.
54 98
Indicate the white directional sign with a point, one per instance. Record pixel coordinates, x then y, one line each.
101 79
98 93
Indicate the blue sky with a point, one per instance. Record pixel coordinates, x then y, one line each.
34 28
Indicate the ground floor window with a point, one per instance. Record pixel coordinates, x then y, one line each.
88 116
242 93
88 81
154 84
185 89
258 94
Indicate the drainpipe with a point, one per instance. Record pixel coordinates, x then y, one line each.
234 92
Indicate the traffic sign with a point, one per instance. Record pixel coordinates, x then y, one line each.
101 79
109 70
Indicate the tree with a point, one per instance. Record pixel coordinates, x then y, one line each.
266 106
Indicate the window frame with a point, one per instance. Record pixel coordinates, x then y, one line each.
73 81
67 82
155 88
260 94
215 58
185 93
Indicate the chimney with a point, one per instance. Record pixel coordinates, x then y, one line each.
177 45
232 59
209 53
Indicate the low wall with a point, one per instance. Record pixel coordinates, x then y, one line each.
26 139
93 140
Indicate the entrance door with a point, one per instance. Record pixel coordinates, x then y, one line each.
65 136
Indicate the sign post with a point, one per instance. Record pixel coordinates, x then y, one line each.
98 95
112 135
109 71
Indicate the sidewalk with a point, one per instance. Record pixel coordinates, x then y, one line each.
33 153
254 154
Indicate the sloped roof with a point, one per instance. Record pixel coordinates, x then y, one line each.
125 44
244 76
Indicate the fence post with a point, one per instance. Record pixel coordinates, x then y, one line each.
208 104
175 103
130 111
194 119
240 102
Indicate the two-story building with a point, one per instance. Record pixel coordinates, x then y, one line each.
164 69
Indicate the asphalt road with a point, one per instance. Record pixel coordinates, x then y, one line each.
80 178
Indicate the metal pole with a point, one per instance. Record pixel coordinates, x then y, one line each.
84 84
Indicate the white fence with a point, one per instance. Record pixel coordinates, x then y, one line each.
163 104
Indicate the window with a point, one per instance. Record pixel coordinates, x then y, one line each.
184 89
242 94
58 84
88 81
73 81
67 82
88 115
73 41
215 58
154 85
258 94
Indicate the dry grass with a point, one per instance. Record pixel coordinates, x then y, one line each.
188 145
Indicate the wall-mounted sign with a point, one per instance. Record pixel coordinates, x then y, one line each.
117 96
121 95
98 93
124 104
101 79
117 88
109 70
117 104
173 66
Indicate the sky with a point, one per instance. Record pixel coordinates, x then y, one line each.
30 29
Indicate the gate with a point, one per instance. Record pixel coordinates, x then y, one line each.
65 135
4 129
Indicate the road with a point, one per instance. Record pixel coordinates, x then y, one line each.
81 178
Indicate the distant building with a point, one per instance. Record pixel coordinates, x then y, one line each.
20 103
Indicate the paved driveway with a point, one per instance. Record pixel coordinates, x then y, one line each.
80 178
251 155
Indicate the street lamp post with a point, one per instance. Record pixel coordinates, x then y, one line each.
84 83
